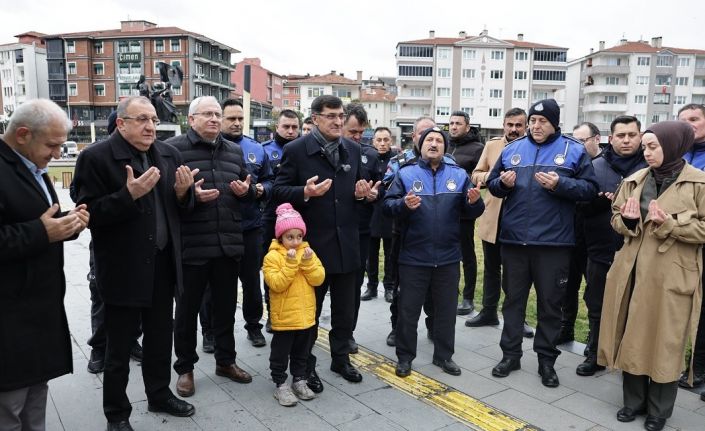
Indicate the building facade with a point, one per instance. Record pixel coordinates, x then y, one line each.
23 72
647 80
265 89
89 72
381 107
481 75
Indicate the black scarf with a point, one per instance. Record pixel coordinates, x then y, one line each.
548 140
233 138
624 165
281 141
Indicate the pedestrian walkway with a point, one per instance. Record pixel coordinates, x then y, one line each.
427 400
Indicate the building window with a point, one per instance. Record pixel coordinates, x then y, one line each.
641 118
98 69
698 82
495 93
417 92
643 61
520 74
613 61
315 91
467 92
175 45
342 93
609 100
468 110
519 94
443 53
496 74
99 89
393 107
176 91
680 100
700 63
682 80
286 102
443 92
442 110
642 80
176 63
73 89
469 54
521 56
607 118
71 68
553 56
199 90
469 73
683 61
199 48
664 60
415 71
540 95
611 80
495 112
70 46
663 80
497 55
640 98
662 98
549 75
443 72
660 116
415 51
159 45
98 46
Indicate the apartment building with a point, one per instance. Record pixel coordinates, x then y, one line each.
23 72
381 107
89 72
265 88
640 78
481 75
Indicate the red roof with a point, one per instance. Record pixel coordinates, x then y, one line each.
454 40
524 44
329 78
644 47
376 95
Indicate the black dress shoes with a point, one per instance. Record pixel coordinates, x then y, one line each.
486 317
173 406
448 366
653 423
626 414
314 382
549 378
466 307
589 367
256 337
347 371
698 380
120 426
506 366
566 335
388 295
136 352
528 331
96 364
392 338
369 294
403 369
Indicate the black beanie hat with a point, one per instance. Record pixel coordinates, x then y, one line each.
549 109
417 147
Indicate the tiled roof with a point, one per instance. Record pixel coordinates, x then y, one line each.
525 44
454 40
376 95
329 78
31 33
644 47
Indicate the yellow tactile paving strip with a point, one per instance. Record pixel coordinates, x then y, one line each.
473 412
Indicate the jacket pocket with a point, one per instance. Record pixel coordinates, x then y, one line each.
683 280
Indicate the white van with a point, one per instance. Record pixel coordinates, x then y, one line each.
69 149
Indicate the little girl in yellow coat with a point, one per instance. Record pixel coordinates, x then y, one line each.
291 270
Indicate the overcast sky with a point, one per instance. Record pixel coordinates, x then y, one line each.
319 36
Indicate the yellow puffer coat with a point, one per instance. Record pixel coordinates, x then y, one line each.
292 299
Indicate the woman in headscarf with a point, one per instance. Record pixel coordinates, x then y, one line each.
653 292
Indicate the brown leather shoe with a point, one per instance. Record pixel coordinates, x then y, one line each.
233 372
184 385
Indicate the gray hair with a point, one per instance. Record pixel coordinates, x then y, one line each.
37 115
421 118
126 102
198 100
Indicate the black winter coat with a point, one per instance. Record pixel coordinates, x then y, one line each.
213 229
34 334
331 219
381 224
123 229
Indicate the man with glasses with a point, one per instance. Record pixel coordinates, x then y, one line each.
212 242
134 191
320 176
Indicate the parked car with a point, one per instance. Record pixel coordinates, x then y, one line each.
69 149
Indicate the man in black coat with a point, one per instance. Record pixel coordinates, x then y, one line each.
132 185
35 345
320 176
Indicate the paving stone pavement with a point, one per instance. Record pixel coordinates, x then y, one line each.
579 403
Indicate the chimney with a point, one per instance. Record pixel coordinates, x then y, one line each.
520 36
332 72
462 34
342 74
359 76
431 34
656 42
591 50
602 45
136 25
623 41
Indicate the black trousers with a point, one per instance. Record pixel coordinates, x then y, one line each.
416 283
290 348
120 325
97 340
220 275
373 264
492 282
547 269
250 265
360 278
342 312
640 392
699 348
596 276
467 248
578 265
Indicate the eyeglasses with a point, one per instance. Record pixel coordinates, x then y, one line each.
331 117
209 114
142 120
584 140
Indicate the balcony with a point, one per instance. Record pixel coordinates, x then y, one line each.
415 99
605 70
427 80
699 71
698 90
605 107
552 85
594 89
213 62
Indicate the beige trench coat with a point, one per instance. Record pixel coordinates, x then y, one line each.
487 223
645 334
